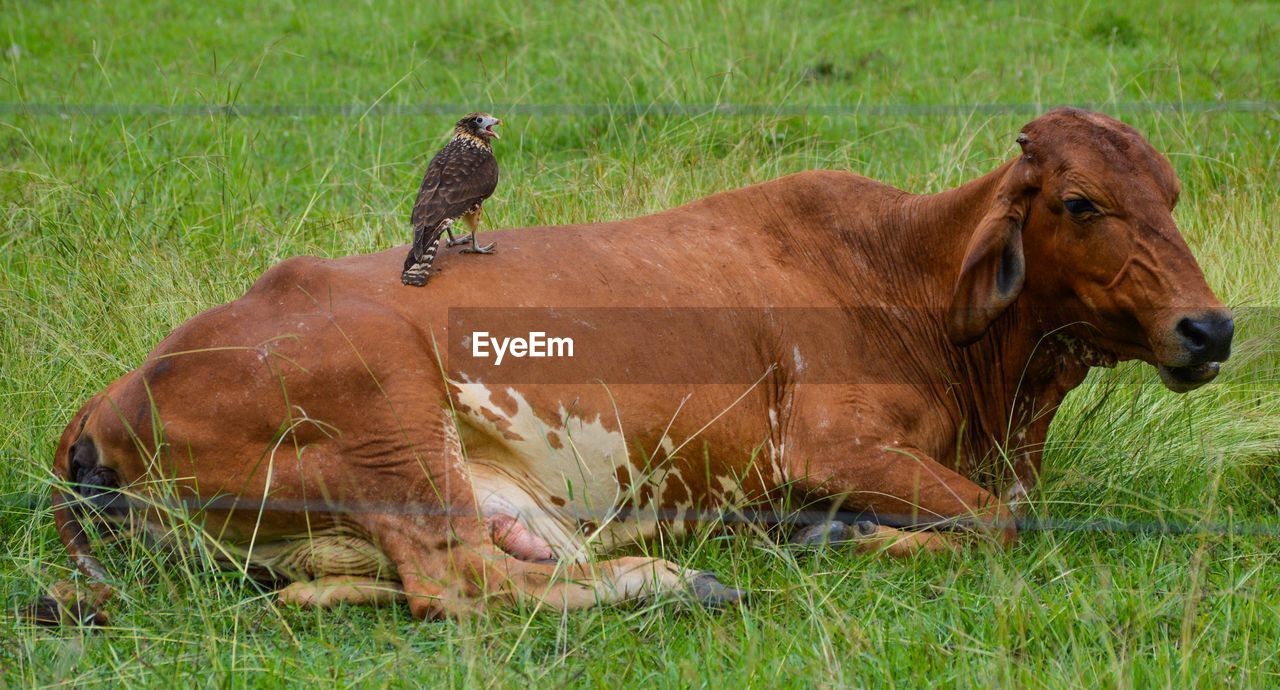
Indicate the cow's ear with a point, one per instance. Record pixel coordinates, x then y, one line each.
993 268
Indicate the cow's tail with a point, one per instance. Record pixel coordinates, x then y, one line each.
77 465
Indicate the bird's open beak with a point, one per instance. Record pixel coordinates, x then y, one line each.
489 129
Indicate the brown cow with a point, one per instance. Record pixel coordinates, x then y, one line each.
949 328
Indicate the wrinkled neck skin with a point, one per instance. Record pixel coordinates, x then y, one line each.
1004 389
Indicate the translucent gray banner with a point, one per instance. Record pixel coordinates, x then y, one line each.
864 345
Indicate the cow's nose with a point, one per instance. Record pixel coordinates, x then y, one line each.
1207 337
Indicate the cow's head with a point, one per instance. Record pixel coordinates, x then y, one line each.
1082 225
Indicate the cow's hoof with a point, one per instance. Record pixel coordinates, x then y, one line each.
707 590
822 534
865 528
833 532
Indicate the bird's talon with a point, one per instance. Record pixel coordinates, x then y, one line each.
486 249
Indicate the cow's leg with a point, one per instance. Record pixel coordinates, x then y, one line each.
580 585
466 572
77 462
870 537
448 553
325 592
906 487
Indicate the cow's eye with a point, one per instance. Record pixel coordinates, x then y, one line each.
1079 206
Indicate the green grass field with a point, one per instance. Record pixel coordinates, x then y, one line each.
117 223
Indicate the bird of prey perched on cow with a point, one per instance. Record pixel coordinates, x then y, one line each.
459 178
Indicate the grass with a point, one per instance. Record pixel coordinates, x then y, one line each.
117 226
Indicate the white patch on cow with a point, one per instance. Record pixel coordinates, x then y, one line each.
1083 352
662 478
776 473
560 476
520 471
778 444
453 447
1016 498
799 360
730 490
1017 495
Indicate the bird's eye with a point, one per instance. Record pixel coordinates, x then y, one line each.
479 120
1079 206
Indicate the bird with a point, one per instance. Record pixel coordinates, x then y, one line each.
459 178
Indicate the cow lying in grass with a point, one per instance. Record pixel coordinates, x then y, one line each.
333 428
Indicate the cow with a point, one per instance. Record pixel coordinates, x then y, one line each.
336 432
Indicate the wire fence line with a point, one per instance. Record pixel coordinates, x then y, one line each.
761 516
300 110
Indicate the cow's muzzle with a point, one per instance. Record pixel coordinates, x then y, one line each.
1183 379
1206 344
